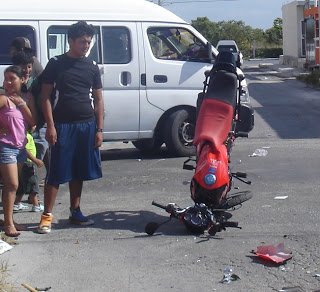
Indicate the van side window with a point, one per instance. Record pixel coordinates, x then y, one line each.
176 44
116 45
8 33
58 43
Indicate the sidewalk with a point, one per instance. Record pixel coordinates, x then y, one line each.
272 67
283 71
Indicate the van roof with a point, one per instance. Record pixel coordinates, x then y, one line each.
226 42
93 10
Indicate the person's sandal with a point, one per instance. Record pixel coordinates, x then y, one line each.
15 234
45 224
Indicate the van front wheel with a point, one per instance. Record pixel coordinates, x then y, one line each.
149 146
179 133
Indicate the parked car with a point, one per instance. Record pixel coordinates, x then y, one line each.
231 46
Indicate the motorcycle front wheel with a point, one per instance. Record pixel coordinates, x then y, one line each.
237 199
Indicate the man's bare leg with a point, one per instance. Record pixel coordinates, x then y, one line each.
50 194
75 188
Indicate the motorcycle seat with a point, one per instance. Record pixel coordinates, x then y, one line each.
213 122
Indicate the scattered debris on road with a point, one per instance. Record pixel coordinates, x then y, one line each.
278 254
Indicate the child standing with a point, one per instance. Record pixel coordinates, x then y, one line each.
16 117
28 179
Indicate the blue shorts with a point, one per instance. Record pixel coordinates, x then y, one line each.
74 157
9 154
39 137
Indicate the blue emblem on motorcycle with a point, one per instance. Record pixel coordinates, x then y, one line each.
210 179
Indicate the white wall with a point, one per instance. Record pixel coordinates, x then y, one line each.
292 15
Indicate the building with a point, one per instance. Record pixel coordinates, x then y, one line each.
301 33
311 19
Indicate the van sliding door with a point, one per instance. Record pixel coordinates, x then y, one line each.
121 79
114 48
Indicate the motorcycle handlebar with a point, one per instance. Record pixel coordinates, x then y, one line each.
159 205
230 224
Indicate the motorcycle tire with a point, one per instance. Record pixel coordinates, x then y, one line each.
237 199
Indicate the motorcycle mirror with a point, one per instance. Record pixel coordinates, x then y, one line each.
241 76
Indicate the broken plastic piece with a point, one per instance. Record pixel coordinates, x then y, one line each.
43 289
280 197
291 289
277 254
259 152
228 276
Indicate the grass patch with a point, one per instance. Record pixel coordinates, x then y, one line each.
5 285
312 78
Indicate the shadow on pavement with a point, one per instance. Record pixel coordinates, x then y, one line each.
132 153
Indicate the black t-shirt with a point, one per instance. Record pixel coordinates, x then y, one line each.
73 81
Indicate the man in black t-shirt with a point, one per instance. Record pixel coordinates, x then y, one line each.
72 105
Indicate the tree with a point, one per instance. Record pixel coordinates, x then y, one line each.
243 35
274 35
208 29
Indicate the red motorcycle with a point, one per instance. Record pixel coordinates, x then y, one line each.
221 118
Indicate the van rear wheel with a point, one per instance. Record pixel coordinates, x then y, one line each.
179 133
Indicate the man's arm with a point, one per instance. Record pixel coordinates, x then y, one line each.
51 134
98 111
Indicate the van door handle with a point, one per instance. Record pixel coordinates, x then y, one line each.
160 78
125 78
143 79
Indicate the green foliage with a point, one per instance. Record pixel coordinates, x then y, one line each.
312 78
269 52
267 43
207 28
274 34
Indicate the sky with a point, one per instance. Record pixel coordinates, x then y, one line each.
256 13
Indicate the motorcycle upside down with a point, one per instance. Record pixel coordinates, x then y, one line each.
199 218
220 120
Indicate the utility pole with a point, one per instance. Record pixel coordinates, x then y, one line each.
254 49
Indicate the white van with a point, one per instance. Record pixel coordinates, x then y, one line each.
152 63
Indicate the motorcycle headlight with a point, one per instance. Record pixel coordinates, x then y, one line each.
210 179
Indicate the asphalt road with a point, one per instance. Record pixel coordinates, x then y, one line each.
116 255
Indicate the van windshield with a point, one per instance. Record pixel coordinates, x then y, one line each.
227 48
176 44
